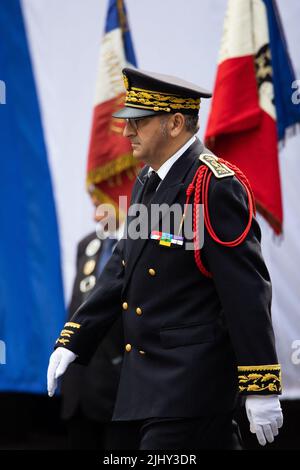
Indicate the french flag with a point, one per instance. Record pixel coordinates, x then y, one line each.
111 168
252 108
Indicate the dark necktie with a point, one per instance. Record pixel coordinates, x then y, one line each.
150 187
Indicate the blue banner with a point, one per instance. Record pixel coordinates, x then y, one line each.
31 294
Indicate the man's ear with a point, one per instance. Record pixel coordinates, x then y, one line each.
177 124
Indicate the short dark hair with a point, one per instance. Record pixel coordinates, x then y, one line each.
191 123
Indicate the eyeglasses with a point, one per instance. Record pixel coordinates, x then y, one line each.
134 122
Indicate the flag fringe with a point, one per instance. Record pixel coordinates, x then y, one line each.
113 168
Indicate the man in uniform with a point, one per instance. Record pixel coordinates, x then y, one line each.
197 322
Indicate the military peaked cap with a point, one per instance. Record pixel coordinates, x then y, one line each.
149 93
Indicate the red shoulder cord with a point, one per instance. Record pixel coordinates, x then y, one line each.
200 185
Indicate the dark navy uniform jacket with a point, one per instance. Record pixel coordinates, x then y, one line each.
190 341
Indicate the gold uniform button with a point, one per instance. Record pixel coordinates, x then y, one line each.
125 305
89 267
128 347
123 262
139 311
151 271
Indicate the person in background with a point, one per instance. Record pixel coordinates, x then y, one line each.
89 392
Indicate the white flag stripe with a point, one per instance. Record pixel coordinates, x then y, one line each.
112 60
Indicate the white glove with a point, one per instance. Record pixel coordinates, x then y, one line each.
265 416
58 363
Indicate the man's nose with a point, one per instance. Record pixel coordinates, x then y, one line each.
128 130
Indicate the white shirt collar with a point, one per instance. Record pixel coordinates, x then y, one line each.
165 168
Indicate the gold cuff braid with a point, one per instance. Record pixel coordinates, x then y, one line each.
67 333
265 379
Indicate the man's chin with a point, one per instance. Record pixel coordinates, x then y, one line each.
136 152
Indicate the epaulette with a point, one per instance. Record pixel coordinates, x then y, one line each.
199 187
220 170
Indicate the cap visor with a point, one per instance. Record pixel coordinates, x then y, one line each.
127 112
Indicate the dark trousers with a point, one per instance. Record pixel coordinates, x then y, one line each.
87 434
217 432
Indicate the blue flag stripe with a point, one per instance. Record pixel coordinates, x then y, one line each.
113 22
31 294
288 113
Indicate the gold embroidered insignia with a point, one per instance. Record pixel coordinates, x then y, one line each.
263 378
72 324
126 82
220 170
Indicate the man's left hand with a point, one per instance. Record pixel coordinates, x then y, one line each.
265 416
